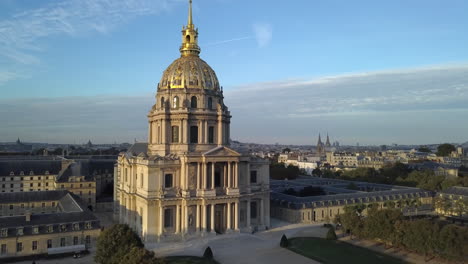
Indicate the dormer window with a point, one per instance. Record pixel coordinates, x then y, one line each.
4 232
12 173
88 225
76 226
19 231
63 228
35 230
46 172
22 173
50 228
31 173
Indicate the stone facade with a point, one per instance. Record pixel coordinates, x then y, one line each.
186 181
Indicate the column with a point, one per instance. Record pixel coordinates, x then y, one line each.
198 175
248 213
228 207
236 216
203 217
205 134
212 218
236 174
187 184
177 222
185 131
204 175
225 178
262 213
248 174
186 219
161 218
163 141
212 175
198 218
182 176
229 175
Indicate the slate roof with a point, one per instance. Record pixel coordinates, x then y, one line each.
86 168
18 197
138 148
457 190
39 167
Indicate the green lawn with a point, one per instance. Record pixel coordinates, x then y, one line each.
331 252
189 260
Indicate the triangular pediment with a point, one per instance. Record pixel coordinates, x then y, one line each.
222 151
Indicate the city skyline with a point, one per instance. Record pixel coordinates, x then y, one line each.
373 74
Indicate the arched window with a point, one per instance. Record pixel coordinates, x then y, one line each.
187 38
193 102
162 101
175 102
210 103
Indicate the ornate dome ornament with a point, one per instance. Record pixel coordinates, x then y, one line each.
189 71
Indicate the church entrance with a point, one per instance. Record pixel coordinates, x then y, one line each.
220 221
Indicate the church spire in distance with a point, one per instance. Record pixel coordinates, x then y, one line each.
189 45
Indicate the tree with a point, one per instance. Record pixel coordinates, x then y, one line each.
286 150
445 149
331 235
453 242
114 243
140 256
424 149
208 254
317 172
284 241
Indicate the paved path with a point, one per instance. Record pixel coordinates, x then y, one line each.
262 247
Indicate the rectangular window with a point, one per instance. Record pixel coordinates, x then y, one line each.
62 242
167 218
168 181
210 135
194 134
253 210
75 240
88 240
19 247
4 249
253 176
175 134
49 243
34 245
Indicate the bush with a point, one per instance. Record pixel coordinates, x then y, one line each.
140 256
114 243
208 253
331 235
284 241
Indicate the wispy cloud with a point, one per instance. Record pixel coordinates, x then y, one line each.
420 105
227 41
21 34
263 33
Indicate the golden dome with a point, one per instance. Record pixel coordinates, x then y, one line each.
189 72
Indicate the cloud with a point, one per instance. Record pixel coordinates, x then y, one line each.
21 33
226 41
263 34
420 105
6 76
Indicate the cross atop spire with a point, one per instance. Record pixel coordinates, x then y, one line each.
190 22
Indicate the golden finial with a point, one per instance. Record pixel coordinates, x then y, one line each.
190 13
189 45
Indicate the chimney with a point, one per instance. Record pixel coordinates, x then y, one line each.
28 216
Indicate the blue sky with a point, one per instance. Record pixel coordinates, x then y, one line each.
93 49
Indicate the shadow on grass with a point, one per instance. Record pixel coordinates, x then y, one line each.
189 260
337 252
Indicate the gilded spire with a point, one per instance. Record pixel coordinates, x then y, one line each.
189 37
190 22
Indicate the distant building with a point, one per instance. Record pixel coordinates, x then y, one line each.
43 222
17 147
87 177
343 159
324 208
453 202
